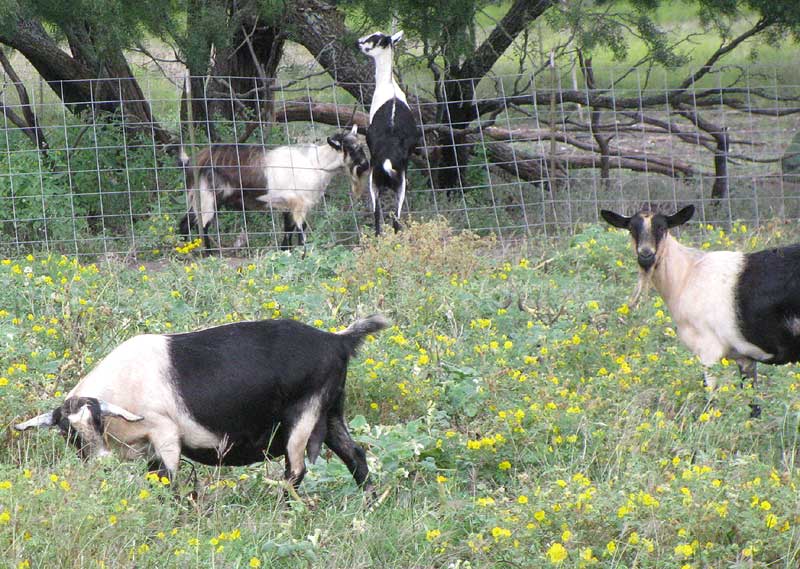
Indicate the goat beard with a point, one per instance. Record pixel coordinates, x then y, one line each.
642 286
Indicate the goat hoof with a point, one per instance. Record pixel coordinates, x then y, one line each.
372 499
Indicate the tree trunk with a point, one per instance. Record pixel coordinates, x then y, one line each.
320 28
456 151
460 107
74 78
57 68
243 73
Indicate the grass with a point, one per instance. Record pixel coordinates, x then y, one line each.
517 414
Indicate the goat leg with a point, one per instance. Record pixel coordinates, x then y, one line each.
401 196
302 229
376 204
241 240
288 230
747 370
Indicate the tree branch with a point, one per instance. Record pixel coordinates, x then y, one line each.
521 13
759 27
32 129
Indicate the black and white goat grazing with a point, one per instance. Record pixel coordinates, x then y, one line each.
744 307
229 395
291 178
392 134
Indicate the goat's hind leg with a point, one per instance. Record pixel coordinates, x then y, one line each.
289 228
374 194
747 370
184 229
338 439
188 220
401 196
299 435
302 229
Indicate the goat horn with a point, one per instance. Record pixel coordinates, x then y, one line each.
43 420
109 409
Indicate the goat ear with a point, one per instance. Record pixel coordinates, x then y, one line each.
680 217
334 143
111 410
397 37
616 219
43 420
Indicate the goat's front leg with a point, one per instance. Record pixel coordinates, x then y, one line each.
241 240
710 384
747 369
166 445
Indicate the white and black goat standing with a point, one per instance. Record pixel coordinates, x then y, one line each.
725 304
291 178
229 395
392 134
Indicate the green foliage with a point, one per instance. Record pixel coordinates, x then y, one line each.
95 183
114 24
446 27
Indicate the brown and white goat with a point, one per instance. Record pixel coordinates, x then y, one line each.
229 395
290 178
725 304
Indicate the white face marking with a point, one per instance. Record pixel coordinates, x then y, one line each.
367 45
646 242
81 422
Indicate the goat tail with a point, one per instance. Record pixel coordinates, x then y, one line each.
185 163
358 330
184 158
389 168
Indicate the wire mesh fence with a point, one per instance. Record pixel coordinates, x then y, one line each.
529 155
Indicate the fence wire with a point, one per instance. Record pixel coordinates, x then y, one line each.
535 155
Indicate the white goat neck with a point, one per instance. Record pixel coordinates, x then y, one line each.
674 263
329 159
386 88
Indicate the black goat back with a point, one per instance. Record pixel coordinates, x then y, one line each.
391 138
